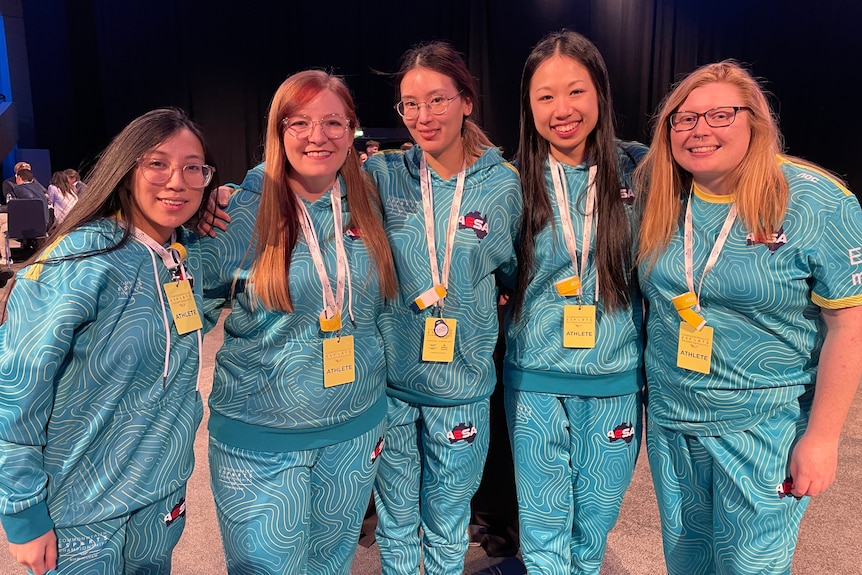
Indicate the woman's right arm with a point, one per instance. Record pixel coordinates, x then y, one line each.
34 342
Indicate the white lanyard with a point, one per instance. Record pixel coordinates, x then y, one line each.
428 210
688 247
171 257
173 260
332 303
558 175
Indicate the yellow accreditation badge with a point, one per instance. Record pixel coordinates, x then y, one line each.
338 361
183 306
439 343
695 348
569 286
579 326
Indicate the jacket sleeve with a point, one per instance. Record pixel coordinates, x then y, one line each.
34 343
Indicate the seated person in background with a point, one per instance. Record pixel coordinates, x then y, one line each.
62 195
28 188
9 183
74 179
372 147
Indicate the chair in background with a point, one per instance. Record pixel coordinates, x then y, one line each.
27 223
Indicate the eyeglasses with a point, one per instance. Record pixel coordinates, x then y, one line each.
719 117
334 126
437 105
158 171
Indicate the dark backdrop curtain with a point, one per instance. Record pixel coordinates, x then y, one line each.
96 64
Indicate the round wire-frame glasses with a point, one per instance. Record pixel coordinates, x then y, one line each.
437 105
158 171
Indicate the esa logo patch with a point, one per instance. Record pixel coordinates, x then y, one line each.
773 241
785 488
624 431
462 432
378 449
476 222
178 511
627 196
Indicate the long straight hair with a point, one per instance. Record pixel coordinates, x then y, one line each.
277 227
759 186
442 58
613 254
109 185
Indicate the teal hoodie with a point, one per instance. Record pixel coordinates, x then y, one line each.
484 246
90 428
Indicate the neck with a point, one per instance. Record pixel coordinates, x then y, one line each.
310 188
714 186
573 158
448 162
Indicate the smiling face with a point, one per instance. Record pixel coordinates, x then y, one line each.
314 161
710 154
438 135
565 106
159 209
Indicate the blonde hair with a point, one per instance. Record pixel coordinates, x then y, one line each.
277 224
759 186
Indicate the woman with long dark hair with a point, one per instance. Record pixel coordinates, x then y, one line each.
100 353
573 367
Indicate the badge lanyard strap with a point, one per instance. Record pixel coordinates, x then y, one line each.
428 210
173 258
688 247
332 303
561 193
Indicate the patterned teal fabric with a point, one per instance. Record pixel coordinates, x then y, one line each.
89 429
268 392
293 512
431 491
721 509
291 461
761 298
484 244
535 357
138 544
574 459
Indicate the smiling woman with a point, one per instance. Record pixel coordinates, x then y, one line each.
307 261
754 325
102 344
452 205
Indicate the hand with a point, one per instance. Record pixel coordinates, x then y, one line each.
813 465
214 216
38 555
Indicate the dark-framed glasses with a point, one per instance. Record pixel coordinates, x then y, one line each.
334 126
719 117
437 104
158 171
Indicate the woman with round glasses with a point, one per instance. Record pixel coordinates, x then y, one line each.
574 351
452 206
100 353
298 401
750 262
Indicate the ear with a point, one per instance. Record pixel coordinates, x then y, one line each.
468 106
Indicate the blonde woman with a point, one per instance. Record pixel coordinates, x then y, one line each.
747 259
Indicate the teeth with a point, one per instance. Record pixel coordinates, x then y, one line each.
173 202
319 154
702 149
567 127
